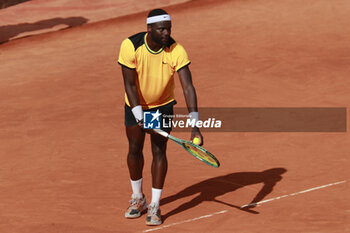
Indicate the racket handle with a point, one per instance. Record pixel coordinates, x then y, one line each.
161 132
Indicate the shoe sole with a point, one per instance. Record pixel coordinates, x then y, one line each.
150 223
153 224
138 215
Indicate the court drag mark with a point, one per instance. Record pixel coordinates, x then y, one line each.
245 206
293 194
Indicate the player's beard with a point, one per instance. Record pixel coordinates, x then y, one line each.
158 40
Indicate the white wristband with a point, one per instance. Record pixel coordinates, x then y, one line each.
138 113
194 116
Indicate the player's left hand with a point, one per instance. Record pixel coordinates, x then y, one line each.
197 134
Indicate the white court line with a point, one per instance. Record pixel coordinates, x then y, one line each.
293 194
251 204
186 221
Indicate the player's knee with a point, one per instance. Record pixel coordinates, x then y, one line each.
159 152
135 149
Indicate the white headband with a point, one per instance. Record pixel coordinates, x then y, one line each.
158 18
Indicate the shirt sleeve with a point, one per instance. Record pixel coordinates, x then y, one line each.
127 54
181 57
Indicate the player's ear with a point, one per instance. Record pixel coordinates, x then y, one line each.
149 28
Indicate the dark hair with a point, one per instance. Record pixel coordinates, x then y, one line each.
156 12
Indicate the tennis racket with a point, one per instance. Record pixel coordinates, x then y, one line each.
195 150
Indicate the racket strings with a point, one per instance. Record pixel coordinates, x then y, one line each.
201 154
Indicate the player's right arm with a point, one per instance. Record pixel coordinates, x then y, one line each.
130 76
127 61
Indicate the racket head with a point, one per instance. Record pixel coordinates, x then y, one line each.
200 153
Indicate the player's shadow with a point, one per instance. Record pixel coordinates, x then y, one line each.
10 31
210 189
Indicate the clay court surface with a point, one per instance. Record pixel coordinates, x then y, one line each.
63 145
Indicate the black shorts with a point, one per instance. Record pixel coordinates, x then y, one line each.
167 110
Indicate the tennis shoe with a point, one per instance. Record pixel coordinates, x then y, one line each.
153 216
136 207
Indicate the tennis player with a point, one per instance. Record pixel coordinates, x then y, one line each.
149 61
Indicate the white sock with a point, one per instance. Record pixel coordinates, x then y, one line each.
136 186
156 193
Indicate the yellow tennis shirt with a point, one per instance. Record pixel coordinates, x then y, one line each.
155 70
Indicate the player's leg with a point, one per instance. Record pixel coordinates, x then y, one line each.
159 167
135 161
159 170
159 162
